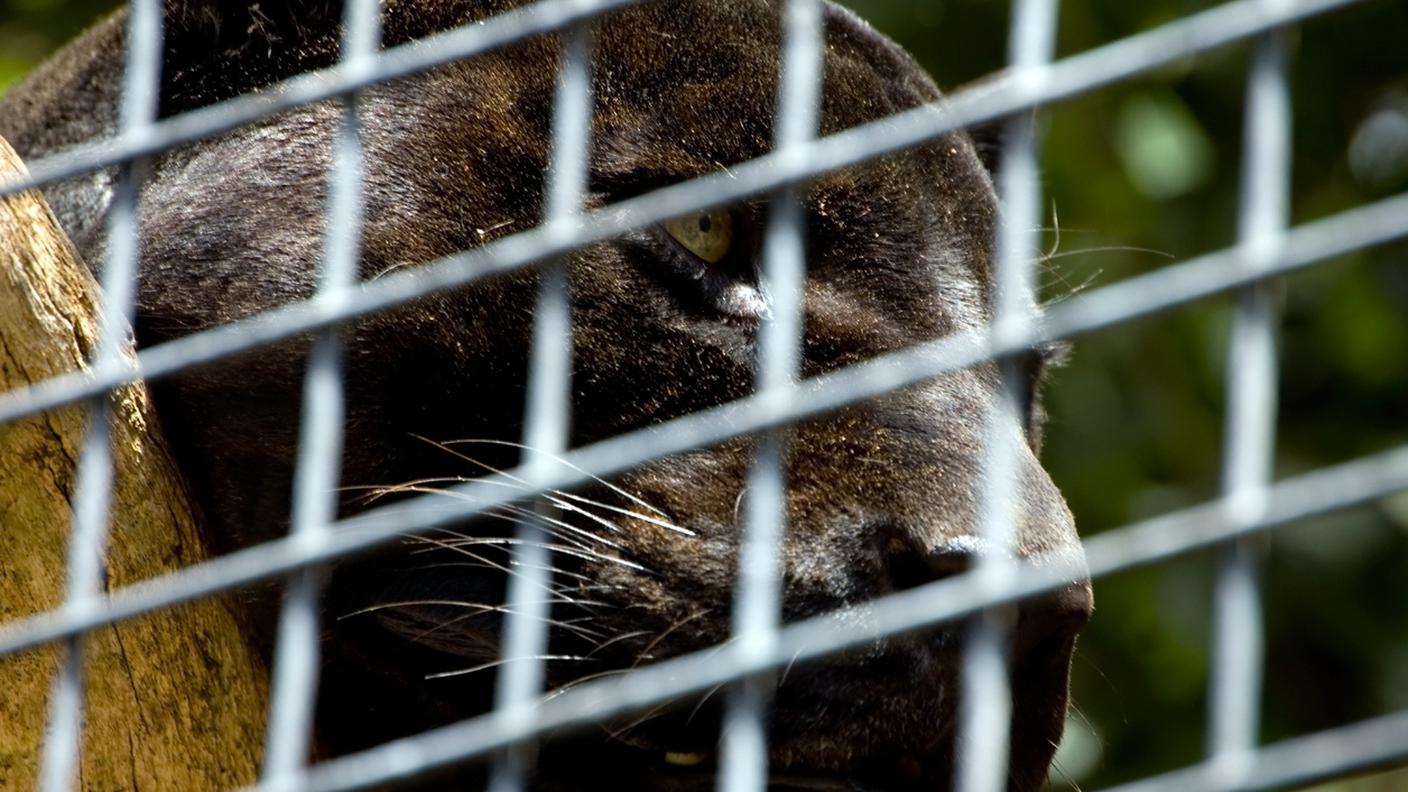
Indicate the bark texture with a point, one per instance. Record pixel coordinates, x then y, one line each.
175 700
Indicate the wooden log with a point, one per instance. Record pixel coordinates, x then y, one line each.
174 700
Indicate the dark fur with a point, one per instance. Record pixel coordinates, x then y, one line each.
882 496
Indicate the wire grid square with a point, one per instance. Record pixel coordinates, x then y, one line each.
1250 503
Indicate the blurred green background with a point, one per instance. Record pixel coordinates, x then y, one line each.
1142 174
1139 175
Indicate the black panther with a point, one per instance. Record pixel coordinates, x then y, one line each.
882 496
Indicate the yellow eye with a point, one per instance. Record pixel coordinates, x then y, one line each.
707 234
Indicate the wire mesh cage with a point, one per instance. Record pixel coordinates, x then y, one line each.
761 645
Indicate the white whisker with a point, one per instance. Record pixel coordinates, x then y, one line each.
499 662
619 510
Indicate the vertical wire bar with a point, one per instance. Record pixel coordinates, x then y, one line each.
757 598
1250 432
985 699
547 417
294 686
87 569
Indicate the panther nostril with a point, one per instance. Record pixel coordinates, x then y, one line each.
909 564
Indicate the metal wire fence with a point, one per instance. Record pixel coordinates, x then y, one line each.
1250 502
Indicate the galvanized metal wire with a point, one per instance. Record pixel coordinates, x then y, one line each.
1250 503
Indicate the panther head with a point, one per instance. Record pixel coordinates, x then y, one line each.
881 496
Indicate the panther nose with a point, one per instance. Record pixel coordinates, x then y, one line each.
1047 624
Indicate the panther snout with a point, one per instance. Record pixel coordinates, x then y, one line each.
1052 620
1046 624
922 544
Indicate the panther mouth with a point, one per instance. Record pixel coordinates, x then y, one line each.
674 750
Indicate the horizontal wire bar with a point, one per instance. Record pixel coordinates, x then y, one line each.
1146 542
1298 761
1002 96
1139 296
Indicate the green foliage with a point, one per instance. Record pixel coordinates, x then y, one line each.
1139 174
1162 146
30 29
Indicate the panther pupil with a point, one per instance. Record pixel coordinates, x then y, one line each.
705 224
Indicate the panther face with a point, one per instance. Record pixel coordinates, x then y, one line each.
882 496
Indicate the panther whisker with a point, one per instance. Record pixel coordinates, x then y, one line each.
480 609
599 520
551 588
507 570
558 496
505 541
530 514
563 688
615 639
1058 769
379 491
787 669
644 654
699 705
1106 249
459 543
499 662
574 536
571 535
620 510
614 488
1056 233
570 539
615 734
486 564
507 513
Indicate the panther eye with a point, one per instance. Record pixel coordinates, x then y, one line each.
707 234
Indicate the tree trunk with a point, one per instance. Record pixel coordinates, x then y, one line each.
174 700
